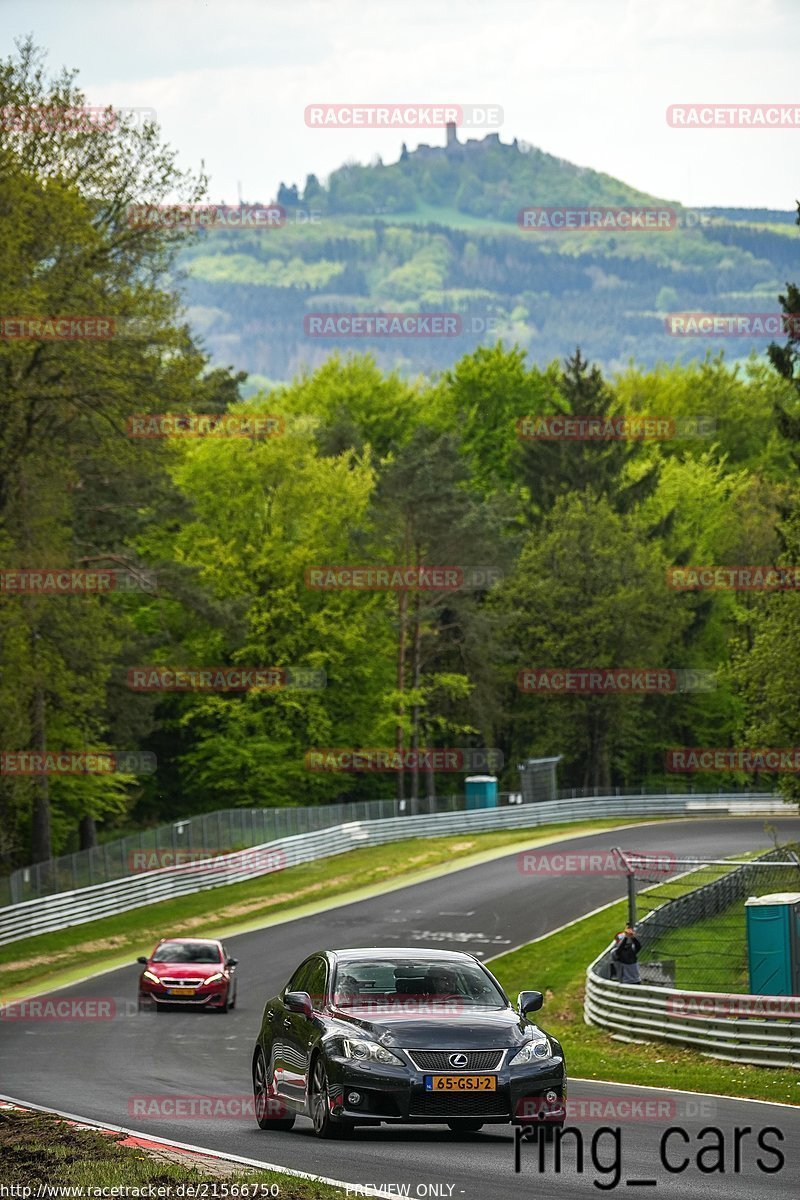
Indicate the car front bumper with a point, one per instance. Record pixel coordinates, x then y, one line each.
398 1094
213 997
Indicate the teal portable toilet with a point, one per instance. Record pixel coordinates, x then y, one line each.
481 791
773 944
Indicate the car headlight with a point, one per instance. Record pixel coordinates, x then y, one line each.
365 1051
535 1050
149 975
215 978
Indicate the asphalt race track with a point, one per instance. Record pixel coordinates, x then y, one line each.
97 1068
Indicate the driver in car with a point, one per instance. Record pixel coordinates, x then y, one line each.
347 991
442 982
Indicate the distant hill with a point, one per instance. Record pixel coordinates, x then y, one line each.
480 177
437 231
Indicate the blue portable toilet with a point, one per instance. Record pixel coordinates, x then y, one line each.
481 791
773 944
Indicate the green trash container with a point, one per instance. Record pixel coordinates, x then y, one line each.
481 791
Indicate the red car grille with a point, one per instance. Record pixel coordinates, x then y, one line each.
182 982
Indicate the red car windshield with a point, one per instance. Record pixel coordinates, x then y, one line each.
187 952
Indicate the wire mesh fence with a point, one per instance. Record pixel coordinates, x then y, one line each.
695 933
207 834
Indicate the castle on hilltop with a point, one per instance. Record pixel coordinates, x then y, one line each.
453 146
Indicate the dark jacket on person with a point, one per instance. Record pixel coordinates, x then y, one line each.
626 949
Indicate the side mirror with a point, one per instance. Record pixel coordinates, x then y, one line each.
232 962
299 1002
142 960
528 1002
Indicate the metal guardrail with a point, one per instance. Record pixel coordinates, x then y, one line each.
645 1012
229 829
640 1012
76 907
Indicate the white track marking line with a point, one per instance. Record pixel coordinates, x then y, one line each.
647 1087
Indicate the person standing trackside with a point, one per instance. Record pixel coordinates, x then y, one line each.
624 955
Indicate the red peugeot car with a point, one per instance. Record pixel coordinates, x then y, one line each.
188 971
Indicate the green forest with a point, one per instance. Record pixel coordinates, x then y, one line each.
367 464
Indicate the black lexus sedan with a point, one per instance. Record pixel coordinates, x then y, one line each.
405 1036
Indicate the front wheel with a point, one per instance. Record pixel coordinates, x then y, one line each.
266 1102
325 1126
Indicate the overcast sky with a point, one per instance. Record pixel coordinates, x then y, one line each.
588 81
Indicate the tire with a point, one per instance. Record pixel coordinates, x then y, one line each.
261 1095
465 1126
325 1126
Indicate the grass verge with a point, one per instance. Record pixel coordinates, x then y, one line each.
556 965
55 959
37 1148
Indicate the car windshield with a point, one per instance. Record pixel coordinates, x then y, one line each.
402 983
187 952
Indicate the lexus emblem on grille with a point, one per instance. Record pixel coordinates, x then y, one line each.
458 1060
